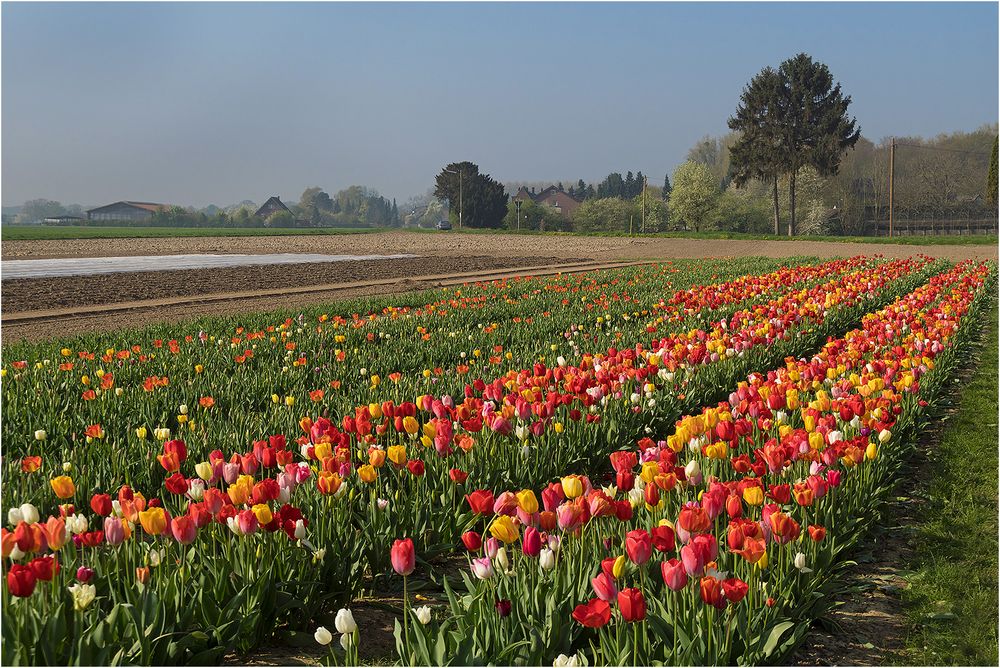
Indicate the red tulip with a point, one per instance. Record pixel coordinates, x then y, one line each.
101 504
20 581
735 589
503 607
403 558
594 614
481 501
472 541
458 476
176 484
531 543
183 529
638 546
44 568
817 533
632 605
663 538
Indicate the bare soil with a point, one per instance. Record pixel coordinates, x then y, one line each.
457 244
29 294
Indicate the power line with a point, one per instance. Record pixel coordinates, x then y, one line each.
940 148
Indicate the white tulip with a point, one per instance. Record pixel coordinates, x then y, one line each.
183 409
14 516
83 595
423 614
40 435
503 561
300 530
693 468
29 513
345 621
800 563
347 641
547 559
196 488
566 661
322 636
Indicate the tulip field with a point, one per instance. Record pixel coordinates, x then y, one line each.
661 464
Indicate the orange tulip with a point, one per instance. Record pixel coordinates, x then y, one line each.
55 533
31 463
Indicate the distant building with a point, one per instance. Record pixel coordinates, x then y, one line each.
62 220
126 211
271 207
559 200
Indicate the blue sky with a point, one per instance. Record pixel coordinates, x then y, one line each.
213 103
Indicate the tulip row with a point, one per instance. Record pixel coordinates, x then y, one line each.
335 494
758 498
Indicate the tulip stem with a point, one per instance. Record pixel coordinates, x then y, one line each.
406 623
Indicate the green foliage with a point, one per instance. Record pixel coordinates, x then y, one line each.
694 195
607 214
534 216
281 219
739 211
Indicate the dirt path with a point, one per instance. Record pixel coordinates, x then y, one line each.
456 244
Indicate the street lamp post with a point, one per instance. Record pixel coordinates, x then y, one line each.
460 207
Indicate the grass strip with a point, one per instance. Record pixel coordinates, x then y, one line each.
951 603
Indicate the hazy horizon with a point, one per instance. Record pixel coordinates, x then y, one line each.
215 103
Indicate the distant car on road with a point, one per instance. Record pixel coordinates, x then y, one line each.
443 225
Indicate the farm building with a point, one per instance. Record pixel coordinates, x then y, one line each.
126 211
272 206
562 202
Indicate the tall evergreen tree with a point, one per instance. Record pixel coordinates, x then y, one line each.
758 152
817 129
665 194
629 186
481 200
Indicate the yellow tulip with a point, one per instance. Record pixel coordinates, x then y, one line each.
527 501
367 473
619 566
754 496
503 529
572 486
263 513
397 454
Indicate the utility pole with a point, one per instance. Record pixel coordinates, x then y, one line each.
517 208
645 179
892 180
461 207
